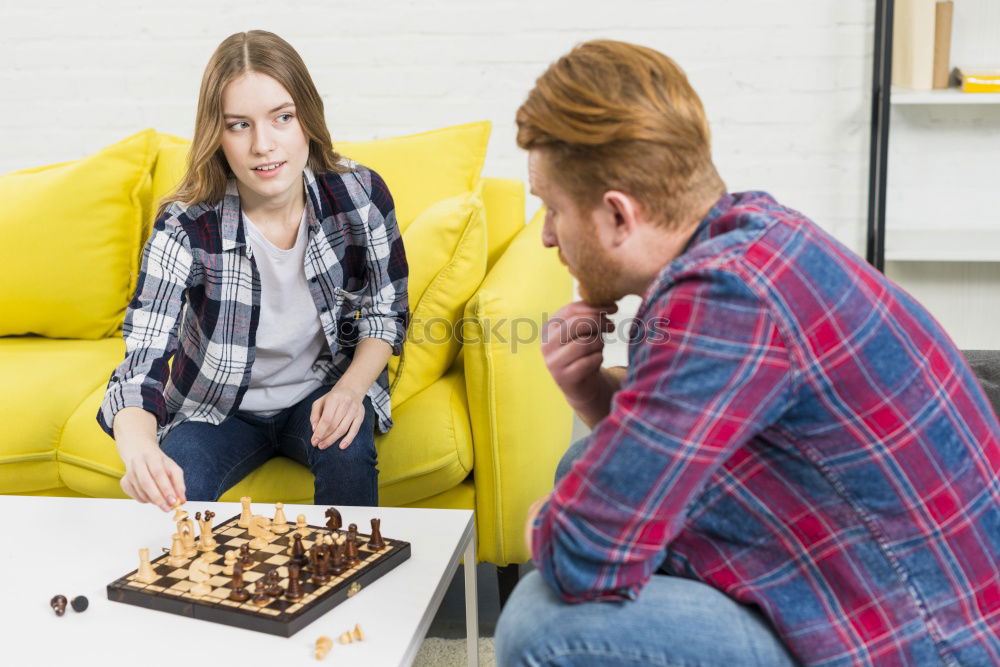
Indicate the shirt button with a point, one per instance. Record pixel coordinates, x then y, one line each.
323 309
313 279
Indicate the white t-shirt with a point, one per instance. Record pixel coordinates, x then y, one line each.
289 335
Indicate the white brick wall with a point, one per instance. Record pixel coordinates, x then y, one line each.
786 83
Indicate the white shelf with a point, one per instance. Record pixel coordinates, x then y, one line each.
943 96
942 245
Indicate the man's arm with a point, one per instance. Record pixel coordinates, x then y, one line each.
719 376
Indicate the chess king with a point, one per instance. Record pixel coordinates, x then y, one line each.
265 206
797 465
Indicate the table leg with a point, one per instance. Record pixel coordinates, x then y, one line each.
471 602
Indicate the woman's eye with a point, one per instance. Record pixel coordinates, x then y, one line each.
286 114
239 122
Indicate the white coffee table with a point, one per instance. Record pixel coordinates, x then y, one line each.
77 546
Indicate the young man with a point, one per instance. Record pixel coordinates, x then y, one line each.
795 442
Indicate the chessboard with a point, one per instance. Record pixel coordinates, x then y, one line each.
171 591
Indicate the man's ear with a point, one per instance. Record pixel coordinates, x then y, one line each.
623 210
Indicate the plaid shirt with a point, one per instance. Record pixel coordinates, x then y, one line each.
198 257
799 433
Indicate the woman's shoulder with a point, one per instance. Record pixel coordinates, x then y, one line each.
181 219
355 177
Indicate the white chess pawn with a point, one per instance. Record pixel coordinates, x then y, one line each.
301 527
177 557
246 515
230 560
280 523
146 573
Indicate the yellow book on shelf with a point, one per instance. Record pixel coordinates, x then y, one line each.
979 79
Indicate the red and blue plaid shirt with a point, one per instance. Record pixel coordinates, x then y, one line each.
798 432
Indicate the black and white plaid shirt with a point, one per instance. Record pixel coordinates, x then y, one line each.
198 299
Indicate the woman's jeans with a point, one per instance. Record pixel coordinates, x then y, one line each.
216 457
674 621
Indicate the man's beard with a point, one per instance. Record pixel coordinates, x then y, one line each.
596 273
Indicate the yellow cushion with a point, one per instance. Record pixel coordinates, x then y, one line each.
446 254
42 384
420 169
70 237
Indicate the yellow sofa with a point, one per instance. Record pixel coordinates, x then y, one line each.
484 432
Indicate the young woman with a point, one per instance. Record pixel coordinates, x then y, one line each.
275 277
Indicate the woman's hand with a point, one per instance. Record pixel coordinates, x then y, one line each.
340 412
150 475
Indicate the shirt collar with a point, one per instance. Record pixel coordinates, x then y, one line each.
228 210
703 232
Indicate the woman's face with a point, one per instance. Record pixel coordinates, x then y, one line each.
262 129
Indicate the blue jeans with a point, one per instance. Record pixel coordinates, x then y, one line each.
675 621
216 457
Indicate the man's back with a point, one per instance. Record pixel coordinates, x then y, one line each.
864 518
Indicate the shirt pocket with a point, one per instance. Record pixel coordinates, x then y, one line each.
349 305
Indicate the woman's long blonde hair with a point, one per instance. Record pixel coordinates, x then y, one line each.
253 51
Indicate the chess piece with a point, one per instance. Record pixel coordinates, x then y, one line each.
351 556
376 543
323 646
207 540
333 520
280 524
245 558
261 531
246 514
294 591
80 603
230 561
321 571
352 530
337 568
146 574
345 637
177 557
238 592
187 536
198 573
260 596
301 527
357 634
273 587
298 551
58 604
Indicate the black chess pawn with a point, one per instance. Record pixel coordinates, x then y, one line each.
333 520
238 592
299 551
260 596
376 543
245 558
352 550
352 530
273 587
294 591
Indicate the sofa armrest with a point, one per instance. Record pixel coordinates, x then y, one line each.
521 423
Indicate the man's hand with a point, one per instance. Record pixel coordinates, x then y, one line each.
150 475
340 412
573 350
529 523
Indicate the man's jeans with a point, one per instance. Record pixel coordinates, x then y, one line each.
215 458
675 621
